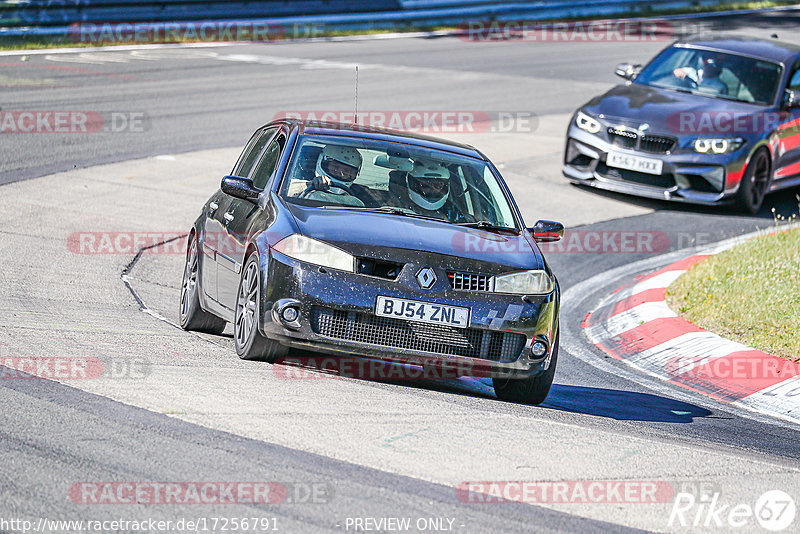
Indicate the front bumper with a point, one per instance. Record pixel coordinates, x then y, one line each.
706 179
351 298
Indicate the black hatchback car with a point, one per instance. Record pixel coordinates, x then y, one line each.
705 122
375 244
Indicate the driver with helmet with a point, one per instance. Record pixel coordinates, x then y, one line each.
337 167
428 187
706 78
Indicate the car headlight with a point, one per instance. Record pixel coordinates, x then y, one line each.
310 250
524 283
706 145
585 122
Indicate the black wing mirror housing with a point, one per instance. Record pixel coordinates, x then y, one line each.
547 231
239 187
627 70
792 99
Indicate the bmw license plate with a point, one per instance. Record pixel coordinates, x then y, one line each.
634 163
424 312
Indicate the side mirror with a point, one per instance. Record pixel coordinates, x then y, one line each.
238 187
792 99
627 70
547 231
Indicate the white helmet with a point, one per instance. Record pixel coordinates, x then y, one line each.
428 184
339 163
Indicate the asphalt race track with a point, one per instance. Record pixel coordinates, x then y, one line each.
181 407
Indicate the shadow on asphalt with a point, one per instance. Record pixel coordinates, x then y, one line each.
786 203
622 405
610 403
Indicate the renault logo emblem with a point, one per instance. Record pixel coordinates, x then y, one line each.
426 278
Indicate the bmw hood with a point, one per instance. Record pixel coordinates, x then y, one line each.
672 112
362 233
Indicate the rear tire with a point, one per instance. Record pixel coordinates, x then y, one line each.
533 390
755 182
250 344
192 316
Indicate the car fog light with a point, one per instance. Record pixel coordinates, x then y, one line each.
538 349
290 314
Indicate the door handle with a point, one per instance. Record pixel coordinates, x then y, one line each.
212 207
228 217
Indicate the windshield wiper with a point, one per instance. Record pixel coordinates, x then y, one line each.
391 210
486 225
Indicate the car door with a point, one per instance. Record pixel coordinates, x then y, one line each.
787 163
239 224
214 228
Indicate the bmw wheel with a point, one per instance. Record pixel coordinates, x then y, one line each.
755 183
250 343
192 316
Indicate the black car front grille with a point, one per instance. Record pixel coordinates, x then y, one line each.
504 347
470 281
622 138
654 180
656 144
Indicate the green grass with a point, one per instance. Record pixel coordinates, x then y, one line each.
401 27
750 294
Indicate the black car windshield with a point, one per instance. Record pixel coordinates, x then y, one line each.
713 74
337 172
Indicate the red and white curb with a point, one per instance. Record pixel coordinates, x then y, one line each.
636 326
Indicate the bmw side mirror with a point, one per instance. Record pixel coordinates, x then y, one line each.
238 187
627 70
547 231
792 99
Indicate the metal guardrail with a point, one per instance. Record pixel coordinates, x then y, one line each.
59 17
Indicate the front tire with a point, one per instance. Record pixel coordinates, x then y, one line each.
532 390
192 316
755 183
250 344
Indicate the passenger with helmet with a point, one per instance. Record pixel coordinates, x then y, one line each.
429 192
337 167
706 78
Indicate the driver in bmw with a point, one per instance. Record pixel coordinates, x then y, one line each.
337 167
706 78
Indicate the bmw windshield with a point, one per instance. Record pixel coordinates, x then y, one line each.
713 74
337 172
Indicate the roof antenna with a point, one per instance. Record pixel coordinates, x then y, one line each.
355 122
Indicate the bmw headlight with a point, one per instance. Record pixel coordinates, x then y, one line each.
585 122
706 145
310 250
524 283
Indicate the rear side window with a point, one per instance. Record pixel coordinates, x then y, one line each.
268 162
252 150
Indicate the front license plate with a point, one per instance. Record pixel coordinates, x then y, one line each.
634 163
424 312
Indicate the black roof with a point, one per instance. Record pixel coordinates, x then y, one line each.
770 50
383 134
